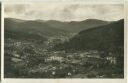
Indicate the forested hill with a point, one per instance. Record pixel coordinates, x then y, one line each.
31 27
77 26
106 38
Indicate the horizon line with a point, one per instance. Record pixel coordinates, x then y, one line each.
61 20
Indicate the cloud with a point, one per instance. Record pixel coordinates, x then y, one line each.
64 12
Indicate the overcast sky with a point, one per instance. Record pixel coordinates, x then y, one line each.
64 12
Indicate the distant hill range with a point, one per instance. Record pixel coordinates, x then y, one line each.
40 29
76 26
108 37
31 28
51 27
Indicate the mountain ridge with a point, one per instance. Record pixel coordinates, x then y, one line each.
72 26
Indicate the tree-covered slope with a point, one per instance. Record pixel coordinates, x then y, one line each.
31 28
107 37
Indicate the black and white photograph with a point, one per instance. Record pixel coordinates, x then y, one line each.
63 40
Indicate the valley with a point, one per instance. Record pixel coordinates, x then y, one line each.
43 51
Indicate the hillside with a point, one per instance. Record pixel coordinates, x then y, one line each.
105 38
31 28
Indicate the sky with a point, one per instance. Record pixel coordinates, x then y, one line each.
64 12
